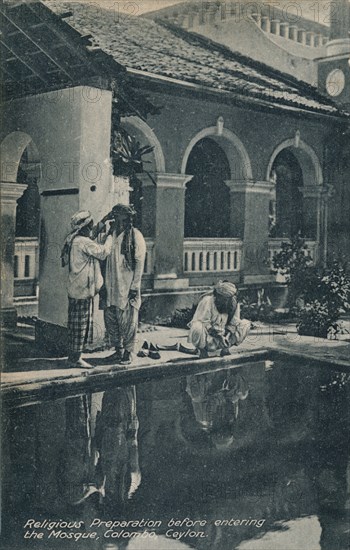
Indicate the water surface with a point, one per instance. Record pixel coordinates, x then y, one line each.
249 458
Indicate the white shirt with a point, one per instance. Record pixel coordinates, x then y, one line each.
85 278
208 314
120 278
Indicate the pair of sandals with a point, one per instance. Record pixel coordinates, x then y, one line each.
149 350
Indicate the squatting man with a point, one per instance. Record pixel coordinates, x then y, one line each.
216 325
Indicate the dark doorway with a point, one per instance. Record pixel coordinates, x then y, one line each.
28 206
289 199
207 199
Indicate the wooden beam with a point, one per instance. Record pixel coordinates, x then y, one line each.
65 14
24 60
73 48
44 50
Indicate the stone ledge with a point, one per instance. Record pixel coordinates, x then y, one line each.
43 388
170 283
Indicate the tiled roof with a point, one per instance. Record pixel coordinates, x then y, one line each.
167 51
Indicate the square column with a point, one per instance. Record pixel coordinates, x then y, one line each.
77 175
249 221
81 181
312 204
10 193
163 216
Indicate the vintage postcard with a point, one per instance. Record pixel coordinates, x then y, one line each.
175 199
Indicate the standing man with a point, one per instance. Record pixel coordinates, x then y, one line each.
81 254
124 271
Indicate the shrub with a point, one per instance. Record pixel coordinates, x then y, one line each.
181 317
297 266
319 295
257 309
314 320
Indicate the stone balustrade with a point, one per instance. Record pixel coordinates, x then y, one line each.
211 13
26 258
26 284
212 255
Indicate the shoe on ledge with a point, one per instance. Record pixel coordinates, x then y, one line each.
173 347
144 351
127 358
189 351
153 352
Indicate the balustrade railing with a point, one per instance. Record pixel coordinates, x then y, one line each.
26 258
269 19
212 255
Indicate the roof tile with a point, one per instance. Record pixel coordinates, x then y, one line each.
159 49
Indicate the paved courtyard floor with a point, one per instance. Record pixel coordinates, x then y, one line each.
28 374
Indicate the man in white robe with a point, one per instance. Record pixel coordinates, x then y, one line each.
216 324
124 270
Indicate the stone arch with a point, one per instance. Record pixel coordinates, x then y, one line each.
307 158
20 174
11 152
207 196
143 129
236 153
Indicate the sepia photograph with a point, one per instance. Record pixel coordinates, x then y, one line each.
175 275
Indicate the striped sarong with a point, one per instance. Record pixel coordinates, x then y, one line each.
80 324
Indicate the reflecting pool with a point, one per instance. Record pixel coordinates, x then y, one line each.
247 458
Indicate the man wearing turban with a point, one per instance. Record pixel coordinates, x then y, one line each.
124 269
216 325
81 254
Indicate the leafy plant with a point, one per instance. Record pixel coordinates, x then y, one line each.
127 155
319 295
296 265
314 320
258 308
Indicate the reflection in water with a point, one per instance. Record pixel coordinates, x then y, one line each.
215 401
116 446
260 457
100 452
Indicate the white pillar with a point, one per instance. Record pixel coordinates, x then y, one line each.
293 33
275 26
266 23
310 39
9 193
163 212
284 30
318 40
302 36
